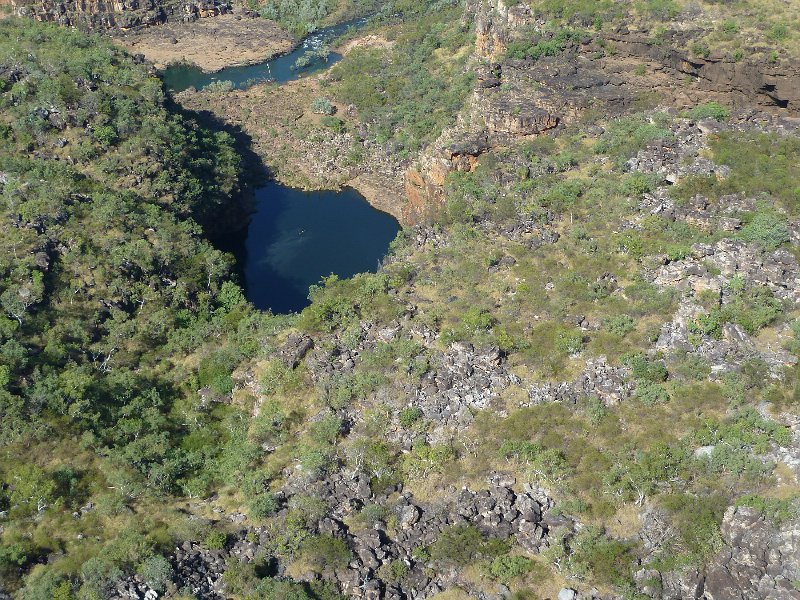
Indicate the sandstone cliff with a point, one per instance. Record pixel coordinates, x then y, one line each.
519 98
115 14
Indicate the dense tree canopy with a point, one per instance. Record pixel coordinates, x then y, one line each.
104 272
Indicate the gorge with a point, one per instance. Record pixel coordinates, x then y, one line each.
563 363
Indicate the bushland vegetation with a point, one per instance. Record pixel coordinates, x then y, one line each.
137 381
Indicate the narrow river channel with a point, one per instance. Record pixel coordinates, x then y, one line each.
279 69
294 237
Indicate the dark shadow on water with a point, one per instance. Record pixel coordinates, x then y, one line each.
235 215
285 240
295 238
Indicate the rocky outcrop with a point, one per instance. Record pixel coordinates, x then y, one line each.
497 511
778 271
710 268
494 19
745 83
117 14
295 350
519 98
598 380
227 40
759 560
456 150
461 381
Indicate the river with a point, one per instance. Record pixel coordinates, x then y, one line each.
279 69
295 237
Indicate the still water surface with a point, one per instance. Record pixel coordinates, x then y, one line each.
296 237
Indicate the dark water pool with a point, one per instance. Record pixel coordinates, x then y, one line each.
296 237
280 69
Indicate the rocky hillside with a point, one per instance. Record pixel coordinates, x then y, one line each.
575 376
614 419
531 78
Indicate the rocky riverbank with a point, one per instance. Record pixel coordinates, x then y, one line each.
212 44
299 151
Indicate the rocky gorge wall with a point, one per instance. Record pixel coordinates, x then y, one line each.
514 99
115 14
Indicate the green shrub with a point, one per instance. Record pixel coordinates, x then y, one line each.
522 450
664 466
596 410
569 341
215 371
620 325
334 123
582 11
325 553
477 319
262 506
690 367
644 369
345 388
638 183
760 163
606 560
662 9
300 18
322 106
522 49
14 555
105 135
156 572
269 426
46 584
651 393
697 522
372 514
730 26
750 307
461 544
747 430
315 459
625 137
425 459
546 464
768 228
393 572
409 416
778 32
215 540
505 568
700 49
219 87
711 110
777 510
99 576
